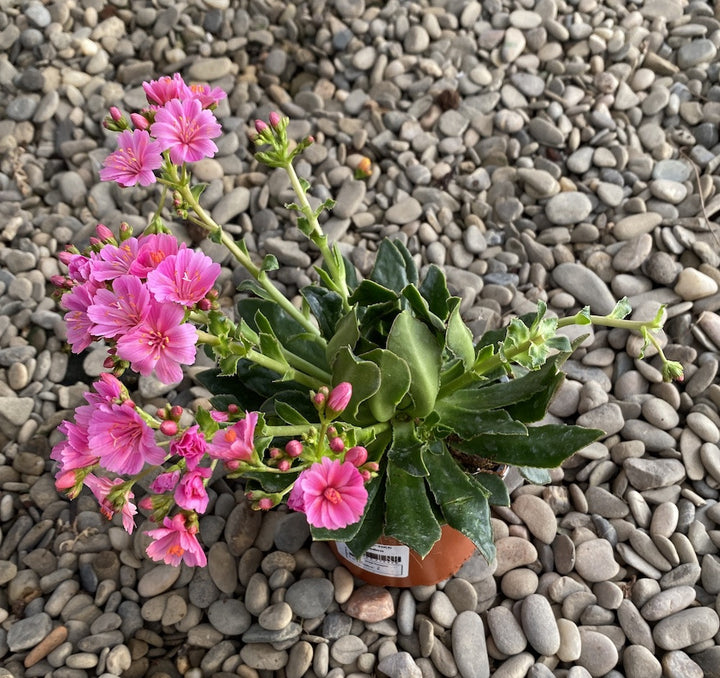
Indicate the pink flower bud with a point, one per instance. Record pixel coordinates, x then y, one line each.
372 466
294 448
140 121
331 431
274 119
104 233
65 480
265 503
115 113
232 408
260 126
169 427
65 257
130 404
366 475
319 398
176 412
108 363
160 413
95 241
232 465
275 453
357 456
60 281
337 445
204 304
284 465
146 503
339 397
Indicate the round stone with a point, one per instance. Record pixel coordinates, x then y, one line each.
686 628
595 560
539 624
570 207
537 515
598 654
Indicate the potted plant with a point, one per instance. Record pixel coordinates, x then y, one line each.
370 407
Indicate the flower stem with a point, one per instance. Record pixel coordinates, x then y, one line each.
318 237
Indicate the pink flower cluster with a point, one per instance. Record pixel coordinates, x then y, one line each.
111 439
134 295
178 120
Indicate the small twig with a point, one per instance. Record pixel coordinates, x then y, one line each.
700 194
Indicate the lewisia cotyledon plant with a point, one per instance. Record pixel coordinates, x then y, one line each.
370 408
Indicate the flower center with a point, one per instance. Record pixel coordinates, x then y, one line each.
332 495
157 339
175 550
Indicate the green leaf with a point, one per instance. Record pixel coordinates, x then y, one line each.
463 503
197 190
421 308
434 289
298 401
305 184
496 486
269 263
468 423
621 310
272 481
364 375
583 317
394 383
206 422
409 516
369 292
536 476
459 339
283 325
406 450
346 334
411 340
325 305
350 275
326 205
543 447
374 503
393 269
289 414
228 364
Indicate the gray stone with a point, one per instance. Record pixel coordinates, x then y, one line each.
310 598
570 207
28 632
229 616
686 628
539 624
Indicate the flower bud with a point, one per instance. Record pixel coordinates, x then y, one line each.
337 444
176 412
108 363
65 480
275 453
115 113
104 233
319 398
140 121
339 398
160 413
260 126
357 455
265 503
61 282
204 304
284 465
146 503
274 119
372 466
366 475
169 427
232 408
294 448
232 465
65 256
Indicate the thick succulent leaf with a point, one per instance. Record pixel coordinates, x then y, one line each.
409 517
289 414
421 308
434 289
394 383
459 340
394 267
463 503
364 375
346 334
496 486
406 451
369 292
468 423
543 447
297 400
272 481
411 340
375 495
325 305
283 325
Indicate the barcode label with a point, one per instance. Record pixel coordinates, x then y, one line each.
389 561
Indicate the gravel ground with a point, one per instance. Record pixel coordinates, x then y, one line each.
564 151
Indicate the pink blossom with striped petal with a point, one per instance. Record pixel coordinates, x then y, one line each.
184 278
134 161
186 129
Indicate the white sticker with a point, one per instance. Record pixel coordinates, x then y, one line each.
389 561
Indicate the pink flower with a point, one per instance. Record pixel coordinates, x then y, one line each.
274 119
79 325
186 128
190 493
176 542
79 267
114 260
191 445
332 494
152 250
235 443
118 311
161 342
101 487
134 161
339 398
206 95
185 277
165 482
164 89
73 452
108 389
122 440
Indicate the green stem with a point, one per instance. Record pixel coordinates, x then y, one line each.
318 237
259 359
207 222
286 431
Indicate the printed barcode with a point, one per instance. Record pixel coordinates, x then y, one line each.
383 559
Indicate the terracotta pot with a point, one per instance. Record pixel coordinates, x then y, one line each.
390 563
